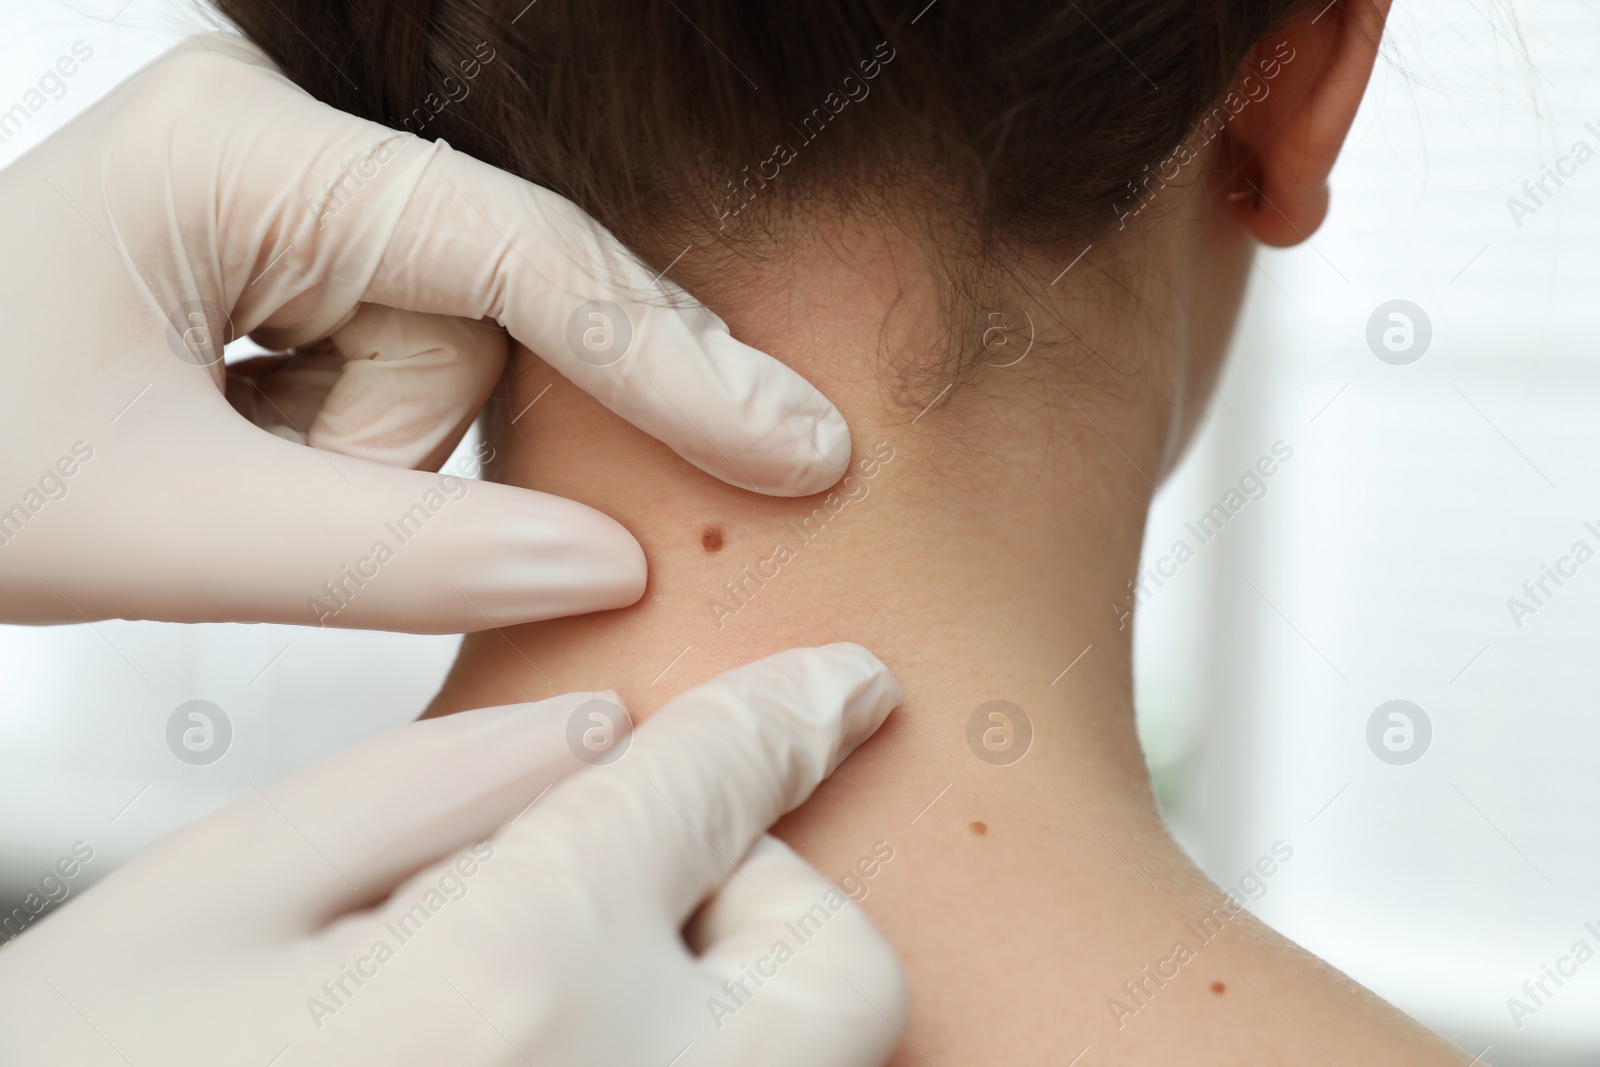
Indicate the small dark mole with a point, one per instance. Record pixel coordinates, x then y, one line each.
979 828
1218 988
711 540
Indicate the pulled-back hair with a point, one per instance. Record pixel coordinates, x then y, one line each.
1021 122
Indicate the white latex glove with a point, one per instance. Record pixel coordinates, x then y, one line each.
556 942
208 197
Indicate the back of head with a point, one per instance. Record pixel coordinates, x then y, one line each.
1019 125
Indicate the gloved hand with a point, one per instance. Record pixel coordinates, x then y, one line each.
207 198
340 917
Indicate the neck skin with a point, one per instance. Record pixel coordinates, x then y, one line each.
980 549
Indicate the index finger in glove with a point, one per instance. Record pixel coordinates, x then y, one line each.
707 775
317 211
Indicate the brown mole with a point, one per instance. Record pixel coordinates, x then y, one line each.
711 540
1218 988
979 829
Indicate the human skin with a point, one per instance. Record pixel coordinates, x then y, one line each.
987 542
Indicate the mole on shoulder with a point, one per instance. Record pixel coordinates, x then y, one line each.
979 829
711 540
1218 988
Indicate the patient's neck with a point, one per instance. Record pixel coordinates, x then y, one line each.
982 546
983 549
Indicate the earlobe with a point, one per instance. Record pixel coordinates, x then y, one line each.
1303 85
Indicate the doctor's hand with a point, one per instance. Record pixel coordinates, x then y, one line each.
207 198
342 917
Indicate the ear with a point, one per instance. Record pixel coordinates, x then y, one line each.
1301 86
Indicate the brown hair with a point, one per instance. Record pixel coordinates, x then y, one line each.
670 121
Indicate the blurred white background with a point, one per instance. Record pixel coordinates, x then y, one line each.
1378 566
1418 498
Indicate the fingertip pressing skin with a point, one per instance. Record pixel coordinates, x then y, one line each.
796 430
541 557
639 344
829 698
869 704
830 440
531 925
209 191
810 683
618 551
